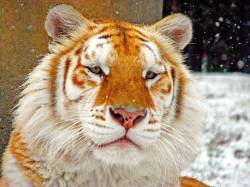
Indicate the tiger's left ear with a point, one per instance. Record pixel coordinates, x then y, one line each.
176 26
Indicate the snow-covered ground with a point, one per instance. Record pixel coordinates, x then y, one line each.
224 158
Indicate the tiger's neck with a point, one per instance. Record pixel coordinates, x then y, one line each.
40 171
92 172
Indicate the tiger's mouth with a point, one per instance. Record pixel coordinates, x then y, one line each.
123 142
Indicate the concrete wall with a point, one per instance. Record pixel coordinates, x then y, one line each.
23 40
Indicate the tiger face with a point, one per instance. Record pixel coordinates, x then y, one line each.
112 93
120 88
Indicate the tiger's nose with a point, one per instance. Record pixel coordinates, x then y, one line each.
127 119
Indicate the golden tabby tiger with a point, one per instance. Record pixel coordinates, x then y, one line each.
111 105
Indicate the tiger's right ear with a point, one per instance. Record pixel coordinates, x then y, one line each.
63 19
177 26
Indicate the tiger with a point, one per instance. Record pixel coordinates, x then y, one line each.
111 105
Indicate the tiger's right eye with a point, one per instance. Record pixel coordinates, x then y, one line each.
96 70
150 75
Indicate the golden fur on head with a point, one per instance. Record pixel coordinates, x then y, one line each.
69 127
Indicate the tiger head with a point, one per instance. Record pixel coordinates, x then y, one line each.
116 91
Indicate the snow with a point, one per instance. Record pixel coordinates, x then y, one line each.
217 37
217 24
221 19
224 158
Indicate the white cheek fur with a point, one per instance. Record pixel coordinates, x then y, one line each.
72 91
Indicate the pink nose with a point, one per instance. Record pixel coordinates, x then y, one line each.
127 119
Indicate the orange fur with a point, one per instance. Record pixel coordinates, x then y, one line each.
191 182
3 183
18 149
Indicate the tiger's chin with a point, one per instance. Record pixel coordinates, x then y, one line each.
121 152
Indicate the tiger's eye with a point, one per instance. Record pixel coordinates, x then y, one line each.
96 70
150 75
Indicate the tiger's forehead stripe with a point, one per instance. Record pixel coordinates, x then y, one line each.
124 86
116 29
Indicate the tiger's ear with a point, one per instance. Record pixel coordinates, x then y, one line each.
176 26
61 20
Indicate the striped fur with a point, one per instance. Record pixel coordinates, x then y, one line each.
63 131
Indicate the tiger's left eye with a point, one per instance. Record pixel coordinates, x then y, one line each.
150 75
96 70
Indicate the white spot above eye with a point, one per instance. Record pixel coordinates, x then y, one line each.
151 54
149 57
152 60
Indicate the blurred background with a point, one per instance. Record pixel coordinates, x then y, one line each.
221 34
219 56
